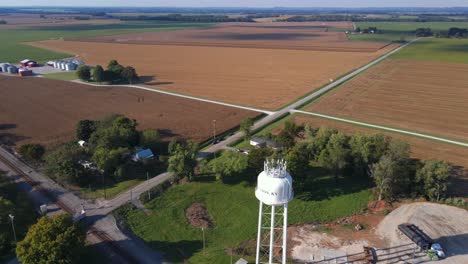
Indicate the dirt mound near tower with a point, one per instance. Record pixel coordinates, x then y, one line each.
198 216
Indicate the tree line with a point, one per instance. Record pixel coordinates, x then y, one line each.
188 18
453 32
365 18
377 158
115 73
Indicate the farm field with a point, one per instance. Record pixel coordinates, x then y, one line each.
436 49
421 96
277 35
46 111
263 78
394 31
17 20
422 149
13 49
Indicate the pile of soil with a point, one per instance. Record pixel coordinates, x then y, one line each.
198 216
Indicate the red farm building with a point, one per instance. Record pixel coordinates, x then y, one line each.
25 72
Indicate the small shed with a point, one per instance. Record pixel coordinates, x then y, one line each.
70 66
261 143
143 154
82 143
12 69
24 63
25 72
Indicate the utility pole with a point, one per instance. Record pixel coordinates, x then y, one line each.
203 232
147 181
12 218
214 131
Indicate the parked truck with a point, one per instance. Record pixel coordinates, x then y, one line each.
422 240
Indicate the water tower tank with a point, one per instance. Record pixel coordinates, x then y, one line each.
274 184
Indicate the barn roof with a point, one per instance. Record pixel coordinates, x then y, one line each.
25 61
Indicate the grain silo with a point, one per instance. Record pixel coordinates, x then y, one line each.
12 69
70 66
5 67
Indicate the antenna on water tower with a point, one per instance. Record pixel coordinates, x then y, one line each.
274 189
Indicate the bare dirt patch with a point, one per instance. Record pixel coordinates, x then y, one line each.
197 215
264 78
428 97
46 111
421 148
445 224
274 35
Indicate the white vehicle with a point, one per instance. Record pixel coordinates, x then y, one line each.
438 250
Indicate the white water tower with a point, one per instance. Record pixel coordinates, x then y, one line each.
274 191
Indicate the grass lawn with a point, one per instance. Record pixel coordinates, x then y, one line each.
24 212
64 76
13 49
234 210
112 190
393 31
436 49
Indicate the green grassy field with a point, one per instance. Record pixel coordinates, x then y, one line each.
64 76
111 191
13 49
234 210
436 49
394 31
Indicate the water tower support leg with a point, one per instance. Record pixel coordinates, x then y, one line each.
285 232
259 235
272 235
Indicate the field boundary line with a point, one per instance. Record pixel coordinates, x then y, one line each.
179 95
401 131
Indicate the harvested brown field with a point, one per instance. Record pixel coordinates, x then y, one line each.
421 148
34 20
274 35
263 78
46 111
427 97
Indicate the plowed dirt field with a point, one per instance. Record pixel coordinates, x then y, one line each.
422 149
427 97
276 35
263 78
46 111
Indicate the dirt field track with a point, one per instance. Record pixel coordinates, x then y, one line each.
278 35
428 97
422 149
46 111
263 78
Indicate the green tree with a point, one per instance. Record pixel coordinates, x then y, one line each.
399 151
52 240
319 142
383 173
183 159
288 134
257 157
434 176
62 165
32 152
298 164
6 239
150 138
108 160
129 73
98 74
228 164
246 127
114 70
367 150
83 73
335 155
115 132
84 129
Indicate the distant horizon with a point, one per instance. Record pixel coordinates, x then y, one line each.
241 3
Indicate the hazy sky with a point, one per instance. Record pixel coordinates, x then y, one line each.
241 3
